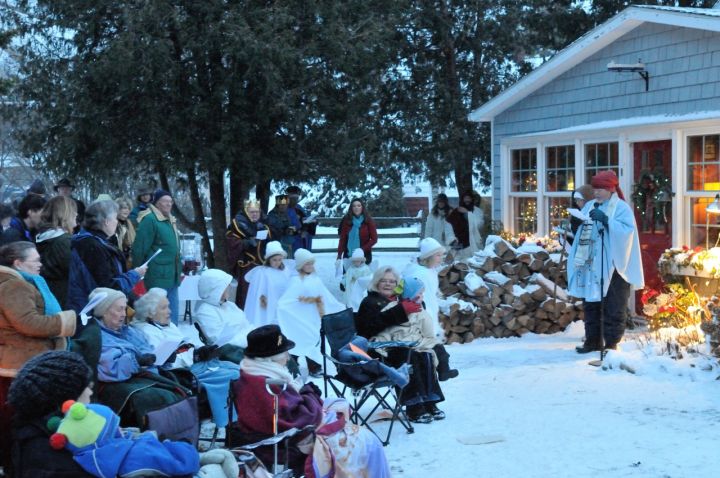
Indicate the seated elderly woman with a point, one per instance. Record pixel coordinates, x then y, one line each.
382 309
130 384
152 319
223 323
356 452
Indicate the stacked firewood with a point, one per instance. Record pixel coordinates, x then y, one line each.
506 292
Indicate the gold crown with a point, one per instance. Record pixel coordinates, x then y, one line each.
282 200
252 203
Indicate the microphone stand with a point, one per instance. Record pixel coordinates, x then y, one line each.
601 231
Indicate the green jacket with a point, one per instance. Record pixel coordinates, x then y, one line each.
157 232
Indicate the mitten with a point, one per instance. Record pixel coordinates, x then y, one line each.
410 307
146 360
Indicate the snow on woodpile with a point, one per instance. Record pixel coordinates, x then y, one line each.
512 291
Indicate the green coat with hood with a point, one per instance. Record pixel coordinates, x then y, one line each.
155 231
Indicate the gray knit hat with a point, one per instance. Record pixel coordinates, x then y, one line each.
46 381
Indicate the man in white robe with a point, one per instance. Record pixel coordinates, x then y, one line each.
610 223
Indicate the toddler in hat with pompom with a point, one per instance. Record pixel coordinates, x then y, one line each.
355 289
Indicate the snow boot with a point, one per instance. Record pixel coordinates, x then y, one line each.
587 347
443 368
418 414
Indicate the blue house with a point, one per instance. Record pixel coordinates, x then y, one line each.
639 94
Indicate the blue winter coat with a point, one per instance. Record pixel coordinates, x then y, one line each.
120 351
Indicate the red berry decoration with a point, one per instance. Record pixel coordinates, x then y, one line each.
58 441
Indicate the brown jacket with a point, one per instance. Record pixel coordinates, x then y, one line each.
24 329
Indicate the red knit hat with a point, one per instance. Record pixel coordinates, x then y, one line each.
607 180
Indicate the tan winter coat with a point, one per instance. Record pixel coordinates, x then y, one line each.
418 328
24 329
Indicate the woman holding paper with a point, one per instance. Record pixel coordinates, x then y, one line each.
246 239
31 320
127 363
152 318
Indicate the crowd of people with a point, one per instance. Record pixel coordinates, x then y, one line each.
92 293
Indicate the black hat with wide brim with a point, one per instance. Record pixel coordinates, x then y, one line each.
64 182
267 341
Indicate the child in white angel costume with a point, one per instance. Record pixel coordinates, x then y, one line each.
356 279
267 284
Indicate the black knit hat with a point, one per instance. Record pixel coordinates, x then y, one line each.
267 341
46 381
159 193
64 182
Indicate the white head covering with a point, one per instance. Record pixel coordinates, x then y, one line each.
273 248
111 297
430 246
302 257
212 284
358 254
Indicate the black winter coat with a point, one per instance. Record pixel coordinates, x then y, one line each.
370 318
55 256
33 457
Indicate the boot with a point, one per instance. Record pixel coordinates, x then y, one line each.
443 369
587 347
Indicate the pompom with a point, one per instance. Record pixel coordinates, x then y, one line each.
66 405
53 423
58 441
78 411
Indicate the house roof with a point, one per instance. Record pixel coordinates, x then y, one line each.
592 42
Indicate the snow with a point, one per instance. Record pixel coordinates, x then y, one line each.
549 414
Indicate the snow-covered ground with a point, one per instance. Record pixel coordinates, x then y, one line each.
549 414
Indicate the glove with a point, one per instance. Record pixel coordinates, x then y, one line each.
597 215
410 307
205 353
146 360
250 243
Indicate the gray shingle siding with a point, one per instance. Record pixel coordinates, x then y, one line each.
684 67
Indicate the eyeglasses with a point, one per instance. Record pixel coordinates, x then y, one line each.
387 281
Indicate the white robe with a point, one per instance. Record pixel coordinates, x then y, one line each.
439 229
431 297
222 321
353 288
269 283
157 334
621 252
299 320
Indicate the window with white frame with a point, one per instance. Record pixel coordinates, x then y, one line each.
601 157
524 189
703 183
559 182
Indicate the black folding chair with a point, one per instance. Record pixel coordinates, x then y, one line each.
339 329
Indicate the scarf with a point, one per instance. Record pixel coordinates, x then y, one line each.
52 306
265 367
354 236
583 254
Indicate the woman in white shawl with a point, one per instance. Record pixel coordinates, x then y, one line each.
267 284
432 254
436 225
303 304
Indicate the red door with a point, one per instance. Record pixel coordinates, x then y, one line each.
652 202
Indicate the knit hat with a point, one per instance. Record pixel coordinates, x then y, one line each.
429 247
46 381
37 188
267 341
103 197
273 248
84 426
358 254
294 190
159 193
411 286
302 257
112 296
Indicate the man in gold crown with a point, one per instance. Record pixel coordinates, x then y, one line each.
279 221
246 238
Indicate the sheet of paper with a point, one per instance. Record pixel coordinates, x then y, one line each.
578 214
151 258
262 235
164 350
310 219
90 306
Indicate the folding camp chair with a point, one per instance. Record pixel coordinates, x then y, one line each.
339 329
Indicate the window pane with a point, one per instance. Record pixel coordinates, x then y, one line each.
557 210
600 157
704 163
525 215
698 225
560 170
524 170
